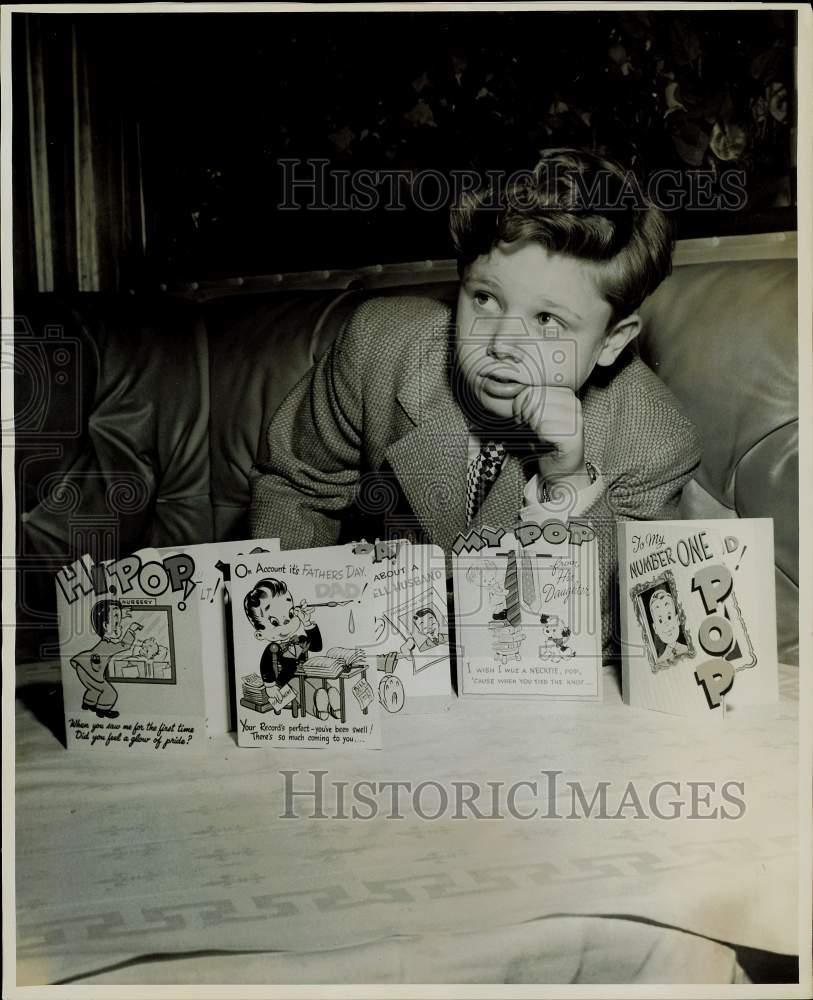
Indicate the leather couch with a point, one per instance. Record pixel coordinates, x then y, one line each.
139 418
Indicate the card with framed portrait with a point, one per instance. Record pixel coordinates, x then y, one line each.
698 615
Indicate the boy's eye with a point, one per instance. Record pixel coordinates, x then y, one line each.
486 301
273 623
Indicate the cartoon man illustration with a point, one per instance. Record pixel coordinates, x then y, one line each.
426 624
666 625
289 634
116 634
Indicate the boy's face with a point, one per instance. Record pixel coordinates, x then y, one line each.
664 620
279 622
529 317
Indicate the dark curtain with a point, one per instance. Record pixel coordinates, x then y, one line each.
79 222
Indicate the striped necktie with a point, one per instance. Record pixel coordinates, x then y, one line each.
483 470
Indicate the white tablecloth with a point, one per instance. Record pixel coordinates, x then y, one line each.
123 856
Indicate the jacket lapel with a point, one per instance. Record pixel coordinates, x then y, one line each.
503 501
430 462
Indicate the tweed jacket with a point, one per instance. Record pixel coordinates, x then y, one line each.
373 442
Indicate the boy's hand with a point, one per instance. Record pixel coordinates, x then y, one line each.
554 415
304 613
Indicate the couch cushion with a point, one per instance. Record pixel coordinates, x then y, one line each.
260 345
724 339
112 450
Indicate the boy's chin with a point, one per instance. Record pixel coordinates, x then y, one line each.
490 409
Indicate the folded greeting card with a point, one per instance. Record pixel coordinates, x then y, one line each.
130 653
408 592
302 630
698 615
527 611
212 563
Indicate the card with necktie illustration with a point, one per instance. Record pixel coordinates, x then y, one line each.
528 617
698 615
302 632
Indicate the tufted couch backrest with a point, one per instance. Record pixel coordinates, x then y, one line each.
140 418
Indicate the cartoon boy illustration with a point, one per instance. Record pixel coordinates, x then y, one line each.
555 636
116 634
289 634
666 625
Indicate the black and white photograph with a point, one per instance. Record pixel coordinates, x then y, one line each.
333 301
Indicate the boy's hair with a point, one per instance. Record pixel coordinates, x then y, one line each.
100 615
274 587
659 596
577 203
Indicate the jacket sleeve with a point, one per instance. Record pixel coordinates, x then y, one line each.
129 637
314 637
314 440
650 453
650 487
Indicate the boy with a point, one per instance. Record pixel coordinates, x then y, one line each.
288 634
530 407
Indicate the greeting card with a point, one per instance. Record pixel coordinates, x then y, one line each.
212 562
698 615
302 630
411 618
527 611
130 653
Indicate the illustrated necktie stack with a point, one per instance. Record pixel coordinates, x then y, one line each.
483 470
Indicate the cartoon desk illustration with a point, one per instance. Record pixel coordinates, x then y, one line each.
338 666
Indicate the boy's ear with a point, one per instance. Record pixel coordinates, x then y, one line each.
259 635
617 338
